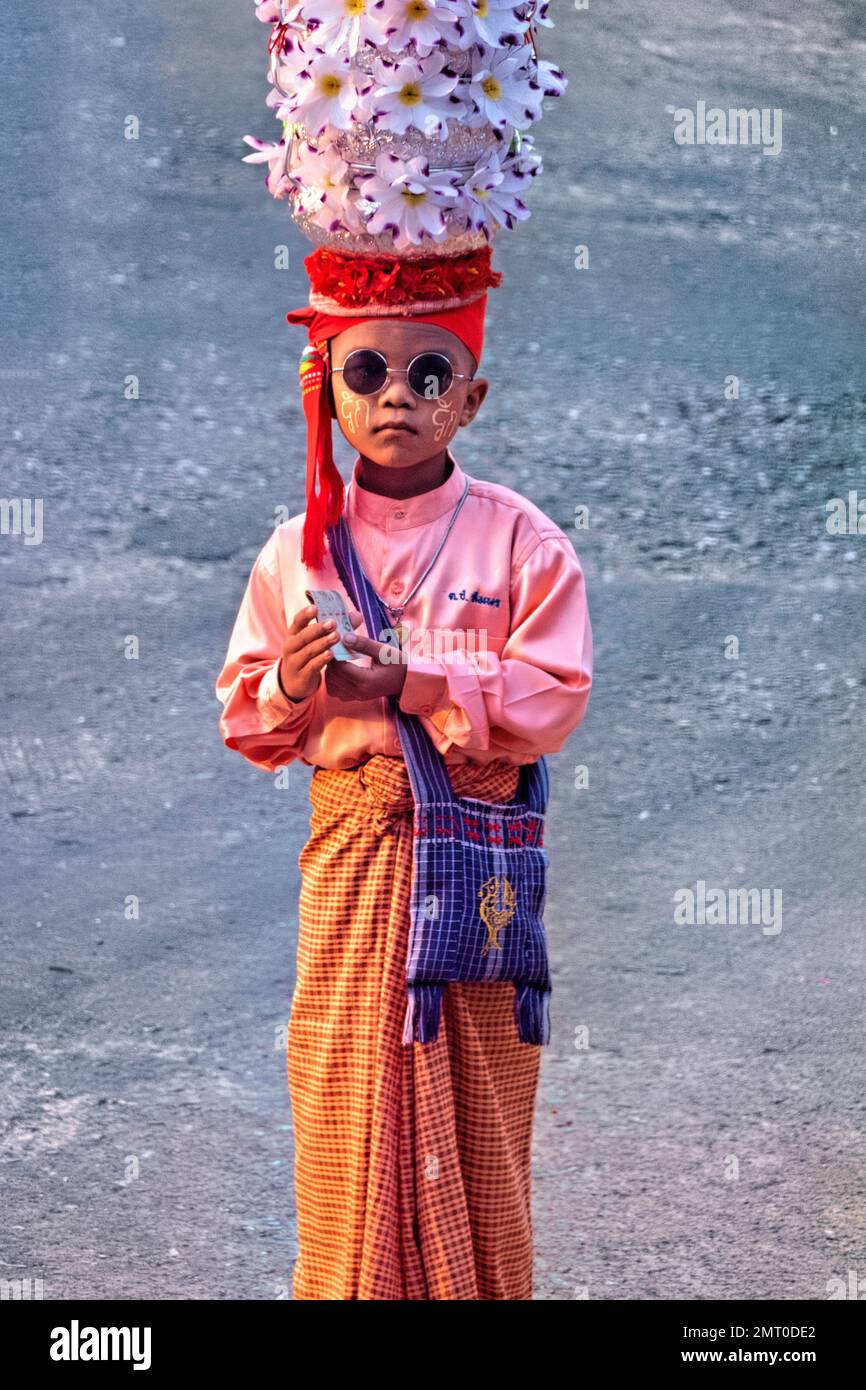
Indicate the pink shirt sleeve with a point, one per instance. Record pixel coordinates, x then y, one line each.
257 720
527 699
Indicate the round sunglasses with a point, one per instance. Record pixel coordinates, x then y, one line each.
430 374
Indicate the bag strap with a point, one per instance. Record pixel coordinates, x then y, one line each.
427 770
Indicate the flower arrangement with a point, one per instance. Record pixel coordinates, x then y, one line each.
404 122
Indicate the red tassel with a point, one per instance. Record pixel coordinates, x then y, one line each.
325 505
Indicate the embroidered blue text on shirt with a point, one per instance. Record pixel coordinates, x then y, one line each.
475 597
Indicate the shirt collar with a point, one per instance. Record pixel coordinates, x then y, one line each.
402 513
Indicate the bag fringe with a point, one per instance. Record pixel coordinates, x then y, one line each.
532 1012
423 1012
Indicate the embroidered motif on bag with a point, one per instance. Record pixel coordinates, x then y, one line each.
519 834
534 831
515 832
498 904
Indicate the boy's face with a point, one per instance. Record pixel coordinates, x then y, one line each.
431 422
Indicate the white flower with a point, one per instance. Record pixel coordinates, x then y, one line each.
277 181
551 78
491 195
426 24
522 158
337 25
415 93
503 90
324 179
539 15
462 35
325 94
268 11
285 76
497 22
409 199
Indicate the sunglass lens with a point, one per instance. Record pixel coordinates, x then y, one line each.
431 375
364 372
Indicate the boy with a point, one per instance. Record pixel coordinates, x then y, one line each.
412 1169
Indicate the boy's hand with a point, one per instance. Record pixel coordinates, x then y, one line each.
345 681
307 651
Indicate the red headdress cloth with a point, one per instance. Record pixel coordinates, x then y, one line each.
349 289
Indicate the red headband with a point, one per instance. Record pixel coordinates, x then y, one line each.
348 290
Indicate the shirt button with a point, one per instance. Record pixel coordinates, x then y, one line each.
399 515
426 709
396 588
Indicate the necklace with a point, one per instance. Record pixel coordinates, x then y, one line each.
397 613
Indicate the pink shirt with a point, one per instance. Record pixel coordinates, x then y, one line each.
507 574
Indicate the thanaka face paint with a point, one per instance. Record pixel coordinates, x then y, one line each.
445 419
355 411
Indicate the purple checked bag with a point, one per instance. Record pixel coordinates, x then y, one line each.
479 877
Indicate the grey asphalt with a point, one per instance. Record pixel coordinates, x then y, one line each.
705 1137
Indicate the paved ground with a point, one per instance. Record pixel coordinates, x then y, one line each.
709 1142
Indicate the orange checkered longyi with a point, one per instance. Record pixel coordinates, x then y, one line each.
412 1163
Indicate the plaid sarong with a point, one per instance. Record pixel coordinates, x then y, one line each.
412 1163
